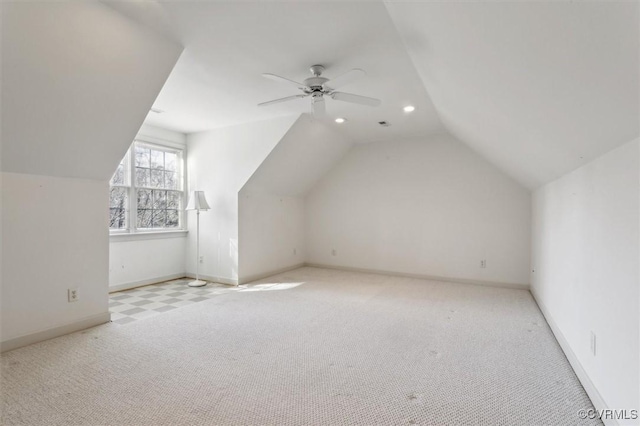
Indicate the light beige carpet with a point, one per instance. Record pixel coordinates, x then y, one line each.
340 348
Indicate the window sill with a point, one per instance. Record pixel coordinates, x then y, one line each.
150 235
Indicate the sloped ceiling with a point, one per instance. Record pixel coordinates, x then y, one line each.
78 79
228 45
538 88
305 154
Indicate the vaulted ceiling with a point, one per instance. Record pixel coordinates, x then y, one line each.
228 45
77 82
537 88
303 155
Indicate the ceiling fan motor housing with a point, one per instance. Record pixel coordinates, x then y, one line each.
315 87
315 83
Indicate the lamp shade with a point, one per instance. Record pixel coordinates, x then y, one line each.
198 201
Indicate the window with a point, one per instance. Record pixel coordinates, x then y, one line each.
147 190
119 195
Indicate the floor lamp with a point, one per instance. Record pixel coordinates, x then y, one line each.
198 202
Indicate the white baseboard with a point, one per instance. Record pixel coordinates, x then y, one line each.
141 283
54 332
421 276
210 278
261 275
596 399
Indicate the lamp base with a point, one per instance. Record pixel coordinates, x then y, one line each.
197 283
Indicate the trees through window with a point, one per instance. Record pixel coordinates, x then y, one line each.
147 189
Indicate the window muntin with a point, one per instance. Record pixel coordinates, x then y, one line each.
148 181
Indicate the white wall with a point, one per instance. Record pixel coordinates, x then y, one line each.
271 234
219 163
74 95
140 259
159 135
135 262
585 254
77 81
271 203
55 237
425 207
304 154
539 88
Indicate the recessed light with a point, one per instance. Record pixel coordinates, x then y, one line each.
340 120
409 108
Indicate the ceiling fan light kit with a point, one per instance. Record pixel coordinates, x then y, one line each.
318 87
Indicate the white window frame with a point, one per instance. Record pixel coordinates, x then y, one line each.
131 230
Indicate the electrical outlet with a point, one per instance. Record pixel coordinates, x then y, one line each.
73 295
483 263
593 343
334 252
201 259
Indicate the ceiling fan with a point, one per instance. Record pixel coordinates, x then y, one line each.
317 87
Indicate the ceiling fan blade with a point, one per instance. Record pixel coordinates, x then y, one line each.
284 80
318 105
277 101
355 99
345 78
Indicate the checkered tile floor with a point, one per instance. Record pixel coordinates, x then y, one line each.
144 302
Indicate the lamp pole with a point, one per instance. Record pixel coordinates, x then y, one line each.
198 202
198 245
